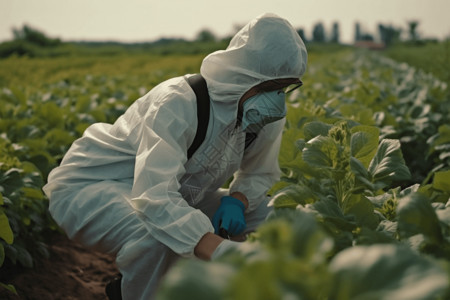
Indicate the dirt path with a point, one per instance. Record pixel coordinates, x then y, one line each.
71 272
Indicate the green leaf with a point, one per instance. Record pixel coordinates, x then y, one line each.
23 256
300 144
288 149
416 216
19 95
368 236
386 272
297 232
320 151
309 240
59 137
443 136
388 164
12 181
195 279
329 211
2 254
362 176
362 209
444 215
51 113
441 181
9 287
33 193
314 129
388 228
291 196
5 230
282 200
83 104
364 143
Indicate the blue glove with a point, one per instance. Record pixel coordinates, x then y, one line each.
230 216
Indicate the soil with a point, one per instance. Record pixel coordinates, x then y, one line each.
71 272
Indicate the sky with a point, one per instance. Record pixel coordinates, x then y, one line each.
148 20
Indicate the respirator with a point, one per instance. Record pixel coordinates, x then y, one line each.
262 109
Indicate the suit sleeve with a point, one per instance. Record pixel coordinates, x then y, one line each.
259 169
162 138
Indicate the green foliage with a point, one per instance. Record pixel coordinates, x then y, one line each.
29 42
404 103
34 36
344 208
431 57
289 258
346 224
25 220
386 272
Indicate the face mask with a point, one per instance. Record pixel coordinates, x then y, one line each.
262 109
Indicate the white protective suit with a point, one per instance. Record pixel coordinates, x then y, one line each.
129 189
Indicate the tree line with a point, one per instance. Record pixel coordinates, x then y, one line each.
28 41
387 34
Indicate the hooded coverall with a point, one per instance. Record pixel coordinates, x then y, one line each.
128 188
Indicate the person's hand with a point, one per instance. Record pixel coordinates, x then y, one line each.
229 216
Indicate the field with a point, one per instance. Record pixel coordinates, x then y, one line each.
364 193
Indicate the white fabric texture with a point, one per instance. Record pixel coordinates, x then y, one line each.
140 162
223 248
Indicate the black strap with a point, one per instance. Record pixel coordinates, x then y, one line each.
250 137
198 85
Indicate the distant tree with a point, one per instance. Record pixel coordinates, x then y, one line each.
389 34
335 33
412 26
205 35
34 37
301 33
357 32
318 33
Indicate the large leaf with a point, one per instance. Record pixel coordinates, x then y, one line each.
5 230
417 216
195 279
362 209
386 272
388 164
364 143
441 181
288 149
329 211
297 232
291 196
362 176
314 129
444 215
320 152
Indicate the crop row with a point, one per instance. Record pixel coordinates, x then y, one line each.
362 210
365 160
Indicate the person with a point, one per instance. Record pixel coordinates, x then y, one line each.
129 189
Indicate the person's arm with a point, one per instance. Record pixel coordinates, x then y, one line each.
207 245
163 134
259 168
241 197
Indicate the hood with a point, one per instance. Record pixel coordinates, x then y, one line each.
267 48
